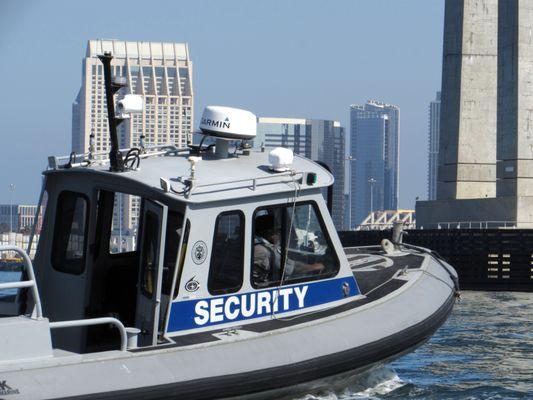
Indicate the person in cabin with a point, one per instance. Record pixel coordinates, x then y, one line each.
268 255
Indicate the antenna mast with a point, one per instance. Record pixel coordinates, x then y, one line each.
116 160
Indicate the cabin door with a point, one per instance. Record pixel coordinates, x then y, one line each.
151 245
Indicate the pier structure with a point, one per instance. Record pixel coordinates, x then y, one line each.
486 140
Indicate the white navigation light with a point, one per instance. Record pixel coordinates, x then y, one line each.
228 123
280 159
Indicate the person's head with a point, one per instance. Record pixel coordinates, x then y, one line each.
265 226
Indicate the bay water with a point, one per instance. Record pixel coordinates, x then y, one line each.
484 351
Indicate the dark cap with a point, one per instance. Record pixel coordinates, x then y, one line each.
265 225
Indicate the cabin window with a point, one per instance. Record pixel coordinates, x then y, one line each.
291 245
150 254
172 243
227 257
70 233
125 223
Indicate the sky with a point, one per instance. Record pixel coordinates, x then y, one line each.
300 59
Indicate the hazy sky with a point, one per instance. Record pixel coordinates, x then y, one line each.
305 59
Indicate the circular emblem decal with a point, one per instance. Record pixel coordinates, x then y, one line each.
199 252
192 285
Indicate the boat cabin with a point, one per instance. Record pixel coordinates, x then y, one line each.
174 242
242 243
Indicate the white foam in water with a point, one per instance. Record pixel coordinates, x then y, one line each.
380 382
371 385
376 383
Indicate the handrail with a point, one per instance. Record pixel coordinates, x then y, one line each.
16 285
95 321
253 181
475 224
31 282
148 151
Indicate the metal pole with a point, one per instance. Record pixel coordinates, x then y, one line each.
115 156
371 181
120 223
28 266
350 159
11 190
95 321
37 214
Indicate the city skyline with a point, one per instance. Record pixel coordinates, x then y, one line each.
319 140
236 54
159 72
374 151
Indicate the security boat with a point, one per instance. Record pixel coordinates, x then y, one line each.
236 284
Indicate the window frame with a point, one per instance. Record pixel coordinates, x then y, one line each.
144 272
325 231
170 275
57 222
182 255
242 232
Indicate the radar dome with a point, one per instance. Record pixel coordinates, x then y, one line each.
228 123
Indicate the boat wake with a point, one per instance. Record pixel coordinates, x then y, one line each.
371 385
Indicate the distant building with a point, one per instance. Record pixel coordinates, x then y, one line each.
374 149
320 140
21 240
162 74
22 218
433 146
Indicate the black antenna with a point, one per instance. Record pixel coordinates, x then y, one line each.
115 156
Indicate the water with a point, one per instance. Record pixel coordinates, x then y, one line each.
483 351
8 276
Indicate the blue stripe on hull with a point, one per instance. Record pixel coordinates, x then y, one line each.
201 313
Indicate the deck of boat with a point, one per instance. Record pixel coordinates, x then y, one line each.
377 275
376 271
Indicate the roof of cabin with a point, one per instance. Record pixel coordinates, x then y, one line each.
216 179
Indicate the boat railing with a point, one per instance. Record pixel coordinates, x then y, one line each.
74 160
476 224
95 321
30 283
253 183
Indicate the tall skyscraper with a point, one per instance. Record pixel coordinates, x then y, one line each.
162 74
320 140
433 146
374 149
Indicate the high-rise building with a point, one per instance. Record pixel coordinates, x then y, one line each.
162 74
320 140
433 146
374 150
